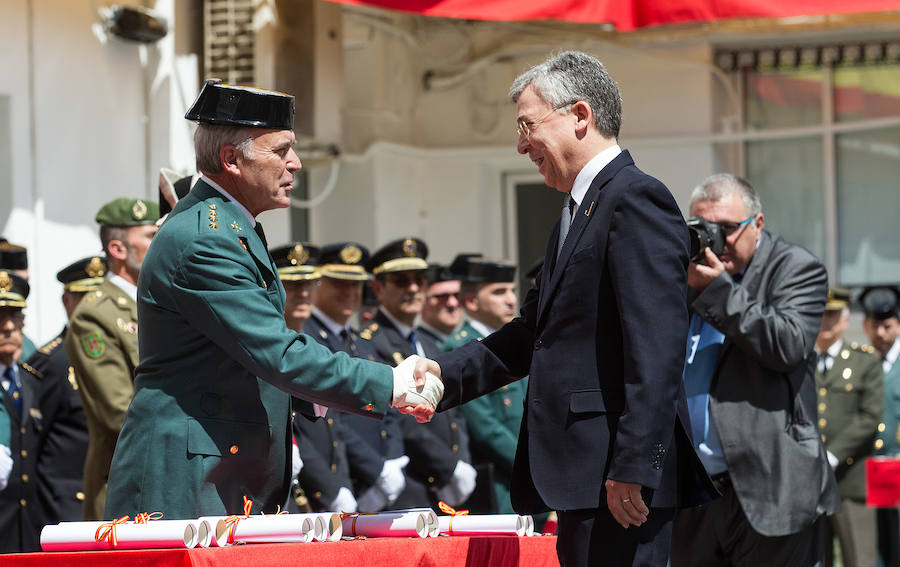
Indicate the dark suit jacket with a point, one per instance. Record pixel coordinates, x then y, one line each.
433 448
64 443
762 395
20 517
602 336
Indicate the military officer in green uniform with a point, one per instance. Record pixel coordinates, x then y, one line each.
14 259
850 404
20 520
489 298
60 466
881 305
102 338
210 422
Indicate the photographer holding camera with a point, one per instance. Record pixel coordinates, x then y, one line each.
756 303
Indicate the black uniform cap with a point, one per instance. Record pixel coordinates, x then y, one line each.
297 261
474 268
344 261
83 275
13 290
880 302
13 257
233 105
399 256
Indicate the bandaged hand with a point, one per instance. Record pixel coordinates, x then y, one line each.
408 397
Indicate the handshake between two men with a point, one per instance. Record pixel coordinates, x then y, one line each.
417 387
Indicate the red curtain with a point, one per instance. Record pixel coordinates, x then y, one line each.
628 15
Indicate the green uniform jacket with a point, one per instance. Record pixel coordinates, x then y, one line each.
103 350
851 398
5 425
210 418
889 435
494 422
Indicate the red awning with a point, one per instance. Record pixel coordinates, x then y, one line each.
628 15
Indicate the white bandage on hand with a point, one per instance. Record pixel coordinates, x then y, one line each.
406 393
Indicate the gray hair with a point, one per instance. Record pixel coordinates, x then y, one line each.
718 185
210 138
573 76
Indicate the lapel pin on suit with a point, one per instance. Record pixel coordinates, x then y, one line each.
587 213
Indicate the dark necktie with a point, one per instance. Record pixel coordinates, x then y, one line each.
262 235
13 389
414 341
565 221
349 343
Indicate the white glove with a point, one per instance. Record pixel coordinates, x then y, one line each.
344 501
6 465
832 460
460 486
405 391
296 461
372 500
392 479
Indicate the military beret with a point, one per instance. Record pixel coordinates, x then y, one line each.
880 302
13 290
297 261
233 105
12 256
344 261
399 255
478 269
83 275
125 211
838 298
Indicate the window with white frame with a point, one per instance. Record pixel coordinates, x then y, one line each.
820 141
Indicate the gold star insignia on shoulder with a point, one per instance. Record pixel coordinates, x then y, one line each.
235 226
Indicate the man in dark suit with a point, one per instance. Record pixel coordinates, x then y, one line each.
64 441
440 463
20 520
604 438
749 376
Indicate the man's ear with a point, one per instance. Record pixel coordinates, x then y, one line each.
584 117
760 221
228 157
117 249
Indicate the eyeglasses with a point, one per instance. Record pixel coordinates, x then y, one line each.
526 127
445 297
730 228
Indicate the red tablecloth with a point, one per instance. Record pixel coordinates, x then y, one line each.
487 551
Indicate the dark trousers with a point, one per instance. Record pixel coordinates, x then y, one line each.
718 534
588 538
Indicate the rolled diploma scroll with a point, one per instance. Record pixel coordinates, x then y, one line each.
332 526
529 526
269 529
431 520
495 524
81 536
218 534
386 524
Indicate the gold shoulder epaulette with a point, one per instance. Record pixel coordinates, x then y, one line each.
51 346
93 297
31 369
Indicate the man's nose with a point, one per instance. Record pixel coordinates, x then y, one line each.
293 163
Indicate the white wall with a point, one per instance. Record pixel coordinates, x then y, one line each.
80 138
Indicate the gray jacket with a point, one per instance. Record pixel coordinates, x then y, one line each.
762 397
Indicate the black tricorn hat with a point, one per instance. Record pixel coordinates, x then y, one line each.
233 105
478 269
880 302
13 257
437 273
